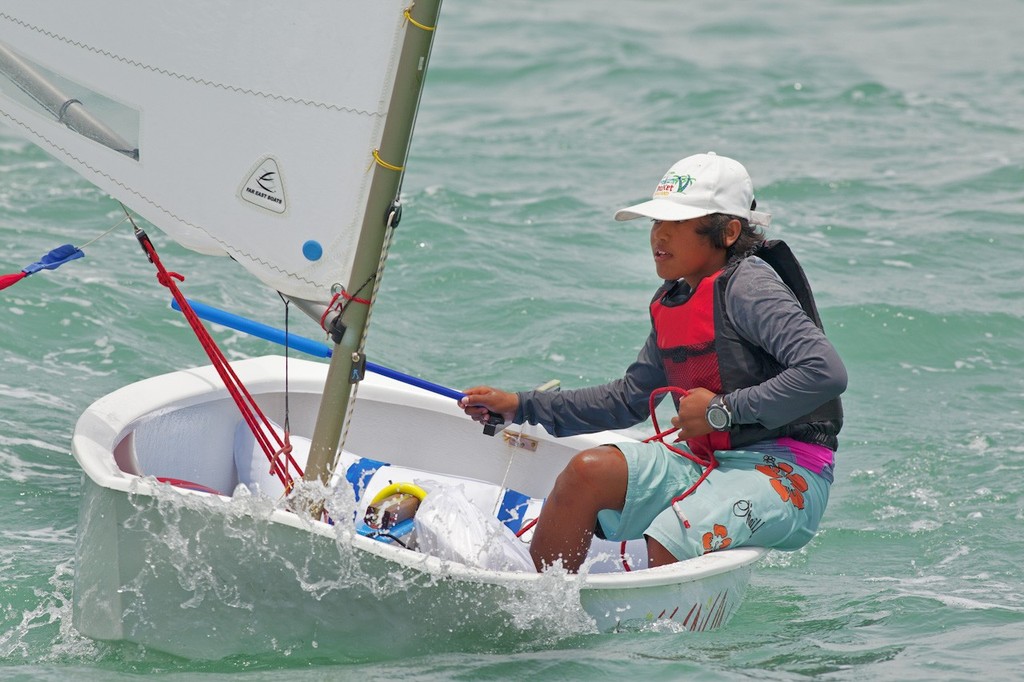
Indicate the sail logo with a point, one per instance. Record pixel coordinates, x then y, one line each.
266 181
265 187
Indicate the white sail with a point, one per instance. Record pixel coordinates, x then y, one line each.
251 127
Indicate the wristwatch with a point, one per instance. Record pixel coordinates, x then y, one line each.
718 415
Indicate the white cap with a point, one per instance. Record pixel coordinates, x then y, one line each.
697 186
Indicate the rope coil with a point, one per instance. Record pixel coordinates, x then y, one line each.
659 436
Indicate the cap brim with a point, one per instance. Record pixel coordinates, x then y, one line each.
760 218
660 209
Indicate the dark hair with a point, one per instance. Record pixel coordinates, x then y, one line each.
750 239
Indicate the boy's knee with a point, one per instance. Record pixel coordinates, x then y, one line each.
602 467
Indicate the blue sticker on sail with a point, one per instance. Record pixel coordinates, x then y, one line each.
312 250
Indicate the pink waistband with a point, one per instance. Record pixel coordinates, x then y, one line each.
812 457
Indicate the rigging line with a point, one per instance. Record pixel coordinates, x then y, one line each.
514 441
287 411
375 277
286 449
247 405
341 306
504 479
355 295
112 228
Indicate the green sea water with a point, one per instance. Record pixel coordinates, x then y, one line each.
887 141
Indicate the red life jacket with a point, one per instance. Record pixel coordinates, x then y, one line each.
700 348
686 338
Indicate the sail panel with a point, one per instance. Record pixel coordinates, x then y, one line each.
255 123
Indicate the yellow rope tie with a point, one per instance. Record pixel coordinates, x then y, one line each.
385 164
408 17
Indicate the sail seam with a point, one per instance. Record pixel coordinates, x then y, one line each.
227 247
185 77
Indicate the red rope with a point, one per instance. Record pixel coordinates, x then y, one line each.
526 527
622 554
334 305
659 436
354 299
251 412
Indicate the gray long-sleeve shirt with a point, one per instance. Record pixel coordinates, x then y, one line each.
766 313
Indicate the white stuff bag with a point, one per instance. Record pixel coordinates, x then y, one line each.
450 527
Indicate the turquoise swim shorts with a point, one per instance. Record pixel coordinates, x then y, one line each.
751 498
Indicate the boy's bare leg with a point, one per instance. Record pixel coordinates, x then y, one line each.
593 480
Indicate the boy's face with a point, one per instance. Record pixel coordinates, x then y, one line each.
681 253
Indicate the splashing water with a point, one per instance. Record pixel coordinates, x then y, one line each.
207 577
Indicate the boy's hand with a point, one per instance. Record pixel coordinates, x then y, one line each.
481 401
692 420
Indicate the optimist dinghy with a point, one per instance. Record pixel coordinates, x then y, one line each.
155 558
280 141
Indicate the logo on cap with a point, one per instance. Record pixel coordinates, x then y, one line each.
674 183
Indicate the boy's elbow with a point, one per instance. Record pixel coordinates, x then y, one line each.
838 379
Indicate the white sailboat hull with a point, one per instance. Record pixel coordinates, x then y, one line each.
207 576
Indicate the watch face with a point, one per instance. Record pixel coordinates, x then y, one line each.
717 417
